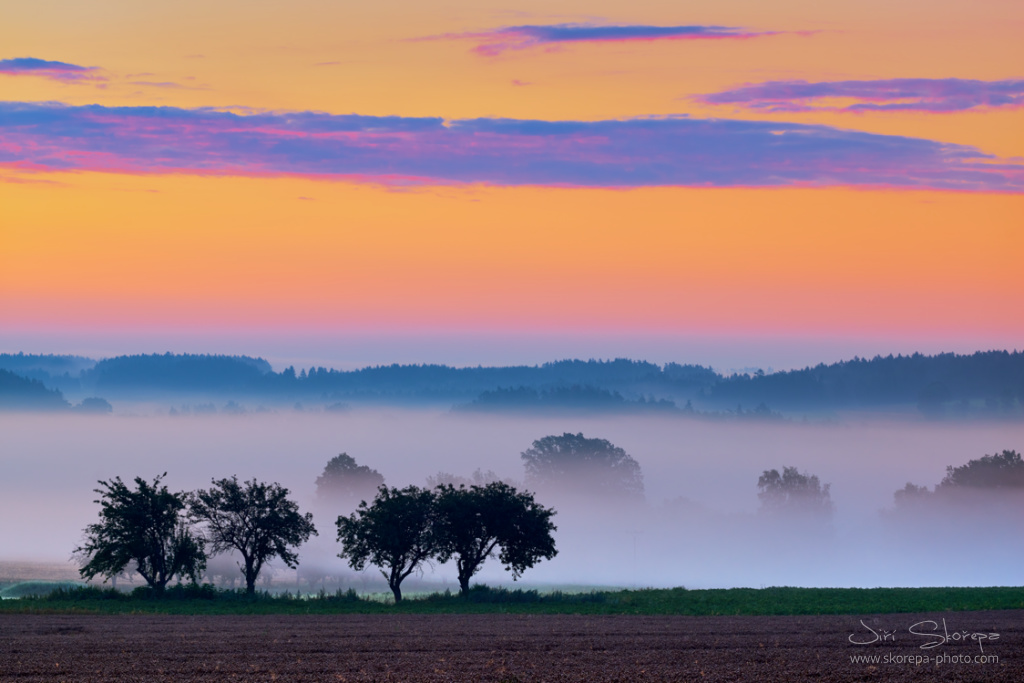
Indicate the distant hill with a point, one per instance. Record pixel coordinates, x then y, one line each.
989 383
54 365
445 383
178 373
564 399
56 372
21 393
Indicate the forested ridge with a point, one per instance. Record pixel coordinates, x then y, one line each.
986 382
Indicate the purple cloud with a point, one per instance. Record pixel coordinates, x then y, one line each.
618 153
58 71
499 40
897 94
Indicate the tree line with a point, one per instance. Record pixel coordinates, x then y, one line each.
983 383
24 393
163 535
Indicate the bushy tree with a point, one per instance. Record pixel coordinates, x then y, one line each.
347 481
472 523
394 533
793 492
1001 471
144 528
911 494
256 519
593 467
978 485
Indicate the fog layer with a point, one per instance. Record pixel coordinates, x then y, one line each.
698 527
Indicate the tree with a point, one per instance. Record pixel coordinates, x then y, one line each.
395 533
348 481
144 527
256 519
574 463
982 483
472 523
793 492
910 495
1002 471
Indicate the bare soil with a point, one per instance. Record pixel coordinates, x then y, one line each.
506 648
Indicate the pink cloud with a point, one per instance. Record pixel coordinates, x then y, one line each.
897 94
496 41
391 150
58 71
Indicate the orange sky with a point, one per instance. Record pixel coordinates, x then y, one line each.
87 250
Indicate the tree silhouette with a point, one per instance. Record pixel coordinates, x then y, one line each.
1002 471
980 486
256 519
395 533
345 480
145 528
576 464
911 495
471 523
793 492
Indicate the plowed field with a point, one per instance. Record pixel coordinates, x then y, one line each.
509 648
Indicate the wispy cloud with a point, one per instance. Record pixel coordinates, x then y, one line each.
495 41
57 71
396 150
897 94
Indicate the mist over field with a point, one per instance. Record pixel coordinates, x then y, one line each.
698 527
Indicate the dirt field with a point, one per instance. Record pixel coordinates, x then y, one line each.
506 648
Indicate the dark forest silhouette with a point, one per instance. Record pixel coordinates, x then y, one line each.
989 383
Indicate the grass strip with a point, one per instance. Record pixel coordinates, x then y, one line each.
205 599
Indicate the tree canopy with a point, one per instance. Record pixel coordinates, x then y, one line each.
471 523
575 464
144 528
347 481
256 519
1001 471
395 533
793 492
989 474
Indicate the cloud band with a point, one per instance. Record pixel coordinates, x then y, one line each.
615 153
898 94
496 41
58 71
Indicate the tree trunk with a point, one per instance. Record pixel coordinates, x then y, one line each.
396 588
466 570
250 577
157 581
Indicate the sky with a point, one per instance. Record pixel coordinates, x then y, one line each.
731 183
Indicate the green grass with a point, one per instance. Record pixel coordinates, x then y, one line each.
483 600
23 589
